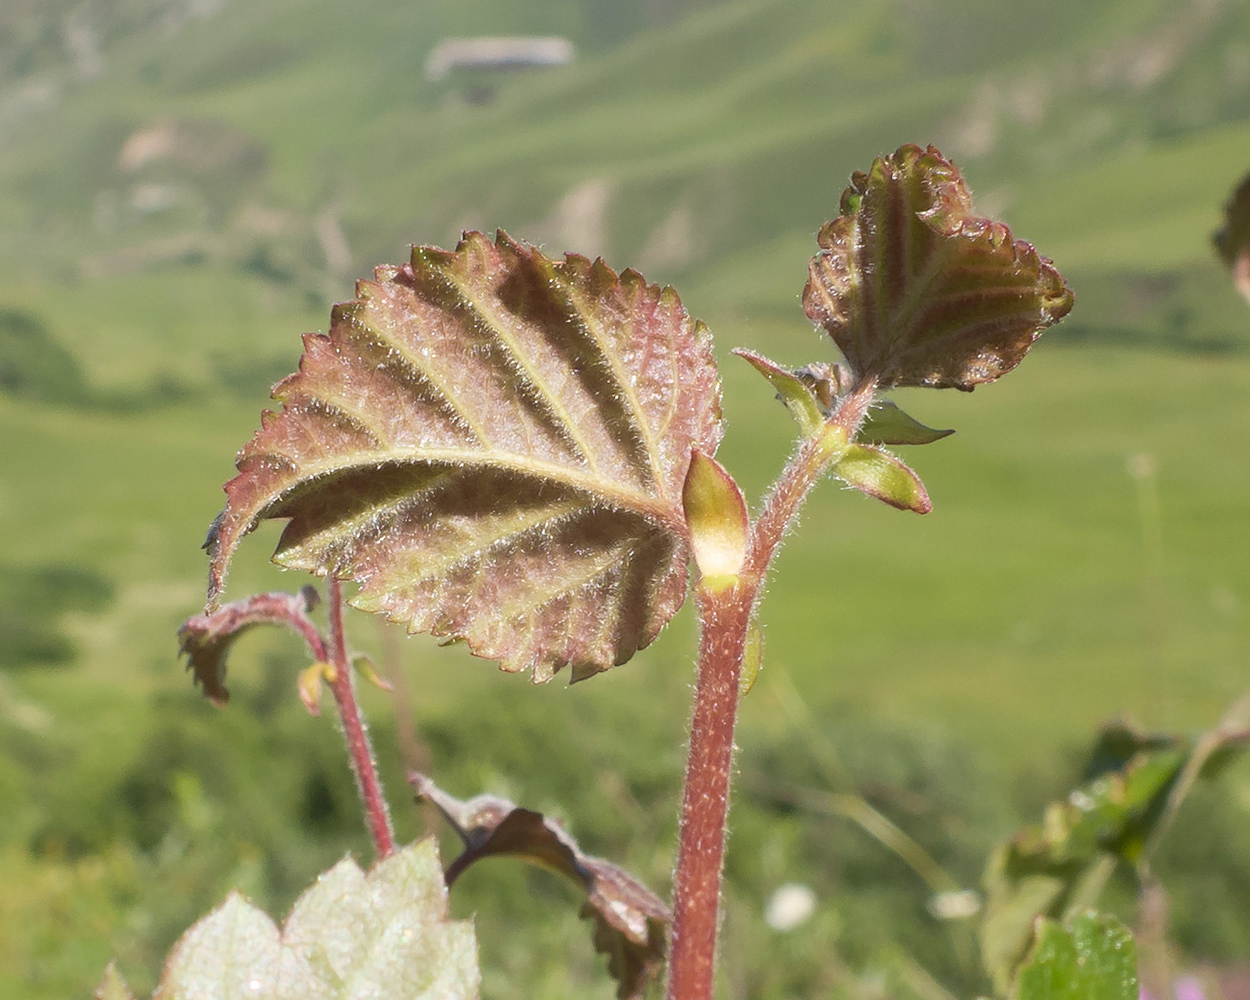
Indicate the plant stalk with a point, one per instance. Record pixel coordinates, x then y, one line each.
725 617
359 748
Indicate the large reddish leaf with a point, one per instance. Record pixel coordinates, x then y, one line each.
493 445
917 290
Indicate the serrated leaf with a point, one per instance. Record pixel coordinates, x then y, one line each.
917 290
493 445
207 639
716 512
1233 239
630 920
881 475
1093 959
383 935
887 424
794 392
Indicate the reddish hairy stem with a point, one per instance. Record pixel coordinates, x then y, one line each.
359 749
725 617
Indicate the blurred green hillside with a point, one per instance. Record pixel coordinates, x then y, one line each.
186 185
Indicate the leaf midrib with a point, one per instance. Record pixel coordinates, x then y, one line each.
597 488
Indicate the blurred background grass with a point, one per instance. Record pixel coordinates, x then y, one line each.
186 185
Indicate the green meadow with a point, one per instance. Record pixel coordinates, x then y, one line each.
1085 558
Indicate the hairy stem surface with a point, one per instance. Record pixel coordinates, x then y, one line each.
359 749
725 617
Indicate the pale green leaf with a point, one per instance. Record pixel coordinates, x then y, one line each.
383 935
881 475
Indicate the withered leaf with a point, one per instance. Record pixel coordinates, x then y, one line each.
206 639
1232 241
916 290
493 445
630 921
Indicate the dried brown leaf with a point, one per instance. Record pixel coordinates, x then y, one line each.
630 920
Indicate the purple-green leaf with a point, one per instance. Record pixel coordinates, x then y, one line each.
881 475
917 290
630 920
493 445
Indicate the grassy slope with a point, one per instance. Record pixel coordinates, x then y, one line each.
1021 611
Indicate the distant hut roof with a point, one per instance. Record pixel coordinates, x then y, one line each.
497 53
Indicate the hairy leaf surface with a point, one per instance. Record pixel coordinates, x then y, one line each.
917 290
384 934
630 920
493 445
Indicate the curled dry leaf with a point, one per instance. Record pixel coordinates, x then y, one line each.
630 920
493 445
916 290
207 638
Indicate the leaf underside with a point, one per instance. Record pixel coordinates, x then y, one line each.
630 920
916 290
493 445
382 934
